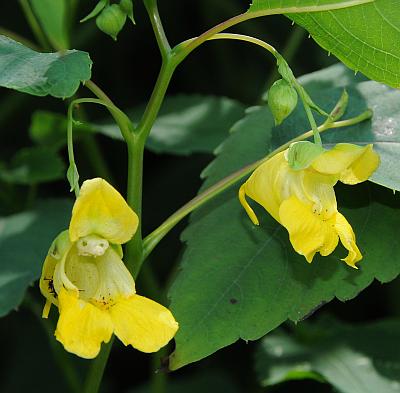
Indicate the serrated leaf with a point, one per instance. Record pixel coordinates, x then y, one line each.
364 37
52 16
41 74
24 241
33 165
241 281
259 6
354 359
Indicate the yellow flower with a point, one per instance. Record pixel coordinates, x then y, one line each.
84 276
304 201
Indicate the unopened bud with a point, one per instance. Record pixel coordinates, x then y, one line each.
282 99
111 20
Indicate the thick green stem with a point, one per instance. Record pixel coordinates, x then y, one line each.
133 257
157 235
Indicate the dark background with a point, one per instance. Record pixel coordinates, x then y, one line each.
127 70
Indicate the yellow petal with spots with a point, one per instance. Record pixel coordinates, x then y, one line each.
143 323
348 240
82 327
101 210
308 233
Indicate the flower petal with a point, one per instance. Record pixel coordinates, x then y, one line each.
101 210
82 327
264 186
354 164
307 231
143 323
348 239
362 168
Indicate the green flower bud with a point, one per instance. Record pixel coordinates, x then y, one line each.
282 99
127 7
111 20
301 154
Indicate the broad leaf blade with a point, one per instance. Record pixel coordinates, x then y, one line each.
354 359
34 165
187 124
24 241
241 281
41 74
366 37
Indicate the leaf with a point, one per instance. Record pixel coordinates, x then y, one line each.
241 281
354 359
34 165
49 129
188 124
52 16
40 74
364 37
260 6
24 241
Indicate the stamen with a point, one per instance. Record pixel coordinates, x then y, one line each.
92 245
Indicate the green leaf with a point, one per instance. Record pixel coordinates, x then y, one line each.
364 37
24 241
261 6
34 165
52 16
241 281
49 129
354 359
187 124
40 74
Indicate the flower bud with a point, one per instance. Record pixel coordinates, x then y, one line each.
111 20
127 7
282 99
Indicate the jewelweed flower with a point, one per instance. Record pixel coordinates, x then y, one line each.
304 201
84 276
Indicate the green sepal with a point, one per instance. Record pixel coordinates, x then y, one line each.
127 7
96 10
61 244
111 20
73 177
282 100
118 249
302 154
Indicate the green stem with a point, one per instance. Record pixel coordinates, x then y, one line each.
124 123
155 237
188 46
289 51
134 249
162 41
96 371
33 23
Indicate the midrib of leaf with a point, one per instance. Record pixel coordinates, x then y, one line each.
305 9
